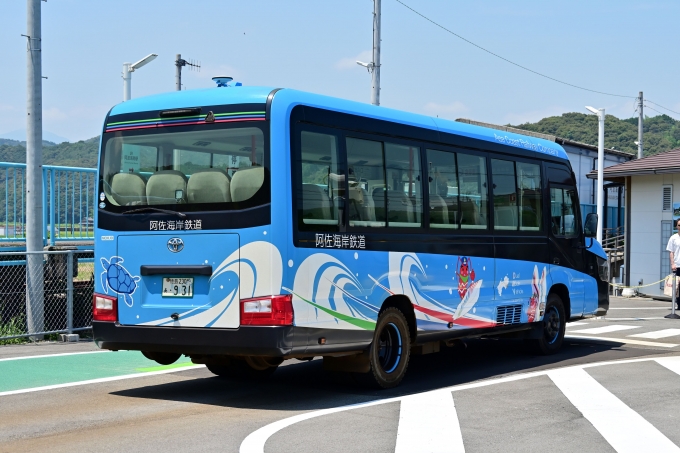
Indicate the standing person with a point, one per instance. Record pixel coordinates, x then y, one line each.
674 248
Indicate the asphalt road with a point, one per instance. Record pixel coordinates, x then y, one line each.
486 395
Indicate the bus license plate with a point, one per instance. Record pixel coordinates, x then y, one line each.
178 287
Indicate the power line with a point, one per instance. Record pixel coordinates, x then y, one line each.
509 61
661 113
658 105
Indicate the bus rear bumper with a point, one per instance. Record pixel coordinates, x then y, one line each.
273 341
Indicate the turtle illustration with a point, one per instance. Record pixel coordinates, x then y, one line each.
118 279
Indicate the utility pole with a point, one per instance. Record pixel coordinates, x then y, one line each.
641 120
179 62
178 72
375 89
374 66
126 81
35 312
600 170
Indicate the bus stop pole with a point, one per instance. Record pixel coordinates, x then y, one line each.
673 315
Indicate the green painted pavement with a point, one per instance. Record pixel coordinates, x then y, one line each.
43 371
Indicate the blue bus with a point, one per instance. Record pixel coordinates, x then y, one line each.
243 226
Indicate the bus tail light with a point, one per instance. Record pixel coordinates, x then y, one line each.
104 308
267 311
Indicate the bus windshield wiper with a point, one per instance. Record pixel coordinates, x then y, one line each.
149 208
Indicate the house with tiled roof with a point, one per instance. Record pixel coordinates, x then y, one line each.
652 204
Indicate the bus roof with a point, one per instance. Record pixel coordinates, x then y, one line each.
290 98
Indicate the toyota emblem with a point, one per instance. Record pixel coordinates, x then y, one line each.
175 245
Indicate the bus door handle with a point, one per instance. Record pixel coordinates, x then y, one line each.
556 260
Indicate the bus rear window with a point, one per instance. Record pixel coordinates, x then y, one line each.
221 165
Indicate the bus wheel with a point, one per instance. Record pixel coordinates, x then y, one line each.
553 327
162 358
390 350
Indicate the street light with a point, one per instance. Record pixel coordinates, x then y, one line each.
600 168
130 68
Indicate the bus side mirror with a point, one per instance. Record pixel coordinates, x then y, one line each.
590 227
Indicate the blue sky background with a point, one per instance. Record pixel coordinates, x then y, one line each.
615 46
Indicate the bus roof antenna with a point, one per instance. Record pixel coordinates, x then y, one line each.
222 81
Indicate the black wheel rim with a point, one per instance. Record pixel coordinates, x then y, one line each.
551 325
389 348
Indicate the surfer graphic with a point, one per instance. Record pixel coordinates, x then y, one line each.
466 275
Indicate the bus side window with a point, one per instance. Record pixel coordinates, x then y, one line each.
321 184
367 203
504 195
443 189
530 201
473 191
405 196
563 214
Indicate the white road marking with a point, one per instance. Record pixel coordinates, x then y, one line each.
255 441
605 329
655 335
672 363
573 324
428 423
99 380
52 355
639 308
631 319
621 340
621 426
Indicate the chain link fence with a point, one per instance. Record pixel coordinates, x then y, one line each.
44 293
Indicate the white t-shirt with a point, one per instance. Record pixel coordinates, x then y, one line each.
674 246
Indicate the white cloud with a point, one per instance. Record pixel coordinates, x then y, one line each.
351 62
450 111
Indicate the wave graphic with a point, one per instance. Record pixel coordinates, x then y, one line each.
325 291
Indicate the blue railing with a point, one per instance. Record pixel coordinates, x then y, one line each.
613 216
68 203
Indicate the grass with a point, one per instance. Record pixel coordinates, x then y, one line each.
15 326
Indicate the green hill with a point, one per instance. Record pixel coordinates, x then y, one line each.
78 154
661 133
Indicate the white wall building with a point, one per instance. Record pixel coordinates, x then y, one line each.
652 204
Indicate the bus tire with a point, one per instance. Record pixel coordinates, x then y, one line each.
162 358
553 327
389 352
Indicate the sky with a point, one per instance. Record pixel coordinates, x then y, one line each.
615 46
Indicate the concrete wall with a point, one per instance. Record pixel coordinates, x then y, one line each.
646 243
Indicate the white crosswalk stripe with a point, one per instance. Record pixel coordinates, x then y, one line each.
580 323
656 334
428 423
624 429
605 329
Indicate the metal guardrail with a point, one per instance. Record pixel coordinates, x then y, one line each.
59 302
69 202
